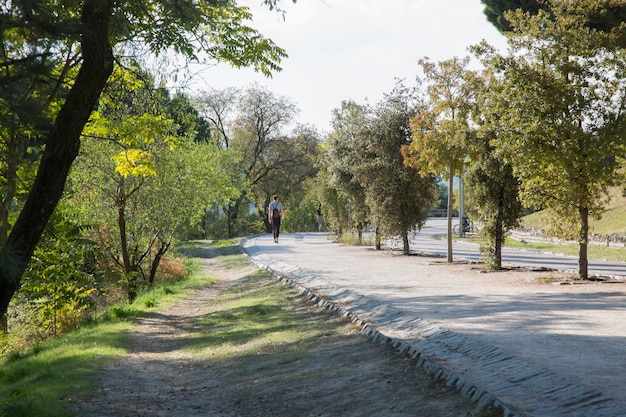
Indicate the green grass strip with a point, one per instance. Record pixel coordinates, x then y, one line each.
39 382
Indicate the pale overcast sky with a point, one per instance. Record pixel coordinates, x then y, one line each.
354 49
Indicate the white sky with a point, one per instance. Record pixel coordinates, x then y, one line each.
355 49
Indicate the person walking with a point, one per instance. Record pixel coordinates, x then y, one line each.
274 215
319 218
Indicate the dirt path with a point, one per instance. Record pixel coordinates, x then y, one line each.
341 374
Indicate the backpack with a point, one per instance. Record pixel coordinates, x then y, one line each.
275 213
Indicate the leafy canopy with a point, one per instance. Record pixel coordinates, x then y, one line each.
561 99
605 16
59 54
439 131
559 107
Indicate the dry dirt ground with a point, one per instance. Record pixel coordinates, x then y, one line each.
342 373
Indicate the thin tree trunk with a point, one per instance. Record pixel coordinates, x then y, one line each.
132 287
406 250
378 240
233 215
129 265
229 210
121 224
583 239
497 253
450 200
163 248
266 215
61 148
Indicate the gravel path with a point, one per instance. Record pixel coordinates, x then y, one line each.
572 332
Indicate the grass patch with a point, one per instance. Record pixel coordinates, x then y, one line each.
41 381
349 239
613 218
226 247
220 247
37 382
167 294
235 262
256 317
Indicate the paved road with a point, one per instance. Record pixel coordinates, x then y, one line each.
576 333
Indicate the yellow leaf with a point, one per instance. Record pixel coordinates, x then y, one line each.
135 162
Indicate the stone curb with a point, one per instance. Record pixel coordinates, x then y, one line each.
483 373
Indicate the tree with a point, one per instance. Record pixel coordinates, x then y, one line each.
492 187
560 111
117 159
399 197
140 184
334 203
440 132
342 156
317 190
187 119
294 159
495 192
606 17
40 34
138 214
216 106
35 61
259 136
254 123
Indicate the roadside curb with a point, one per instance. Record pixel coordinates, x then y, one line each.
483 373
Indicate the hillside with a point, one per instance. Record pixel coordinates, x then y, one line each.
613 219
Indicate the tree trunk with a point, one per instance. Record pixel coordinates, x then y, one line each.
132 288
266 222
233 215
266 215
499 232
163 248
406 250
583 239
129 265
121 225
229 210
61 149
378 243
450 200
